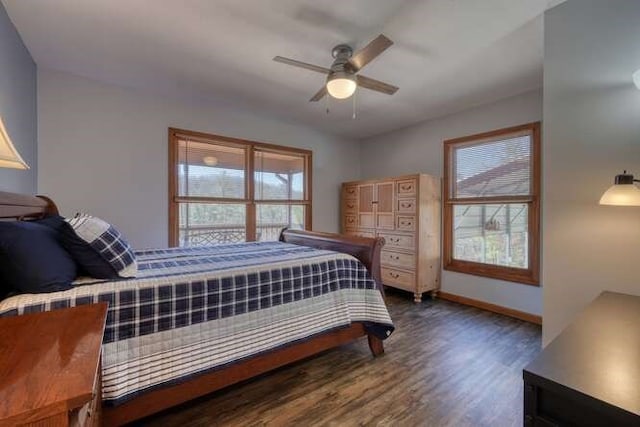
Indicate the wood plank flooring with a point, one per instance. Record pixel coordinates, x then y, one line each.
445 365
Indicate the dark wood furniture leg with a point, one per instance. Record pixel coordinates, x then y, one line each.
375 345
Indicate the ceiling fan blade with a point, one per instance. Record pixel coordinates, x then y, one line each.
370 52
319 95
376 85
301 64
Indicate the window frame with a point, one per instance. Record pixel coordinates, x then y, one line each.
249 200
528 276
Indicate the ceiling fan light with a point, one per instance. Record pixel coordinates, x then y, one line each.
210 160
341 85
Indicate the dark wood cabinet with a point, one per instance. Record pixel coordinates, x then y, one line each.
590 374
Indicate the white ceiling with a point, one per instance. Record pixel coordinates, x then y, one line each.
448 54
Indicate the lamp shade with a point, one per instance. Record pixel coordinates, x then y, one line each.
9 156
623 193
341 85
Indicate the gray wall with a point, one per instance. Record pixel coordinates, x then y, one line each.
18 106
591 133
103 150
419 149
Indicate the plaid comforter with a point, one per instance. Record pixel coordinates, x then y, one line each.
192 310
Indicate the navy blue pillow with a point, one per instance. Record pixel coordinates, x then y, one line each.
32 260
89 262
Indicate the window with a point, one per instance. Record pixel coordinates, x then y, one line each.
226 190
492 204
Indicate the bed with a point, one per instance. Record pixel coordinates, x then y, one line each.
196 320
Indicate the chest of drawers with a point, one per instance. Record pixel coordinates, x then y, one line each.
405 211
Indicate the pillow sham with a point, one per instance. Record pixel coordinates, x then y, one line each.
104 240
32 260
89 262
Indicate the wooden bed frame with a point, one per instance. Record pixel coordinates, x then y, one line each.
25 207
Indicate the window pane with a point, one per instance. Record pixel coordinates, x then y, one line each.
492 234
494 168
202 224
210 170
273 218
278 176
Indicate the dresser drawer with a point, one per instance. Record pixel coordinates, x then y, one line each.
398 278
406 205
406 188
398 241
350 191
350 221
398 259
350 207
405 223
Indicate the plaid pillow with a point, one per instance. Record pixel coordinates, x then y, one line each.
104 239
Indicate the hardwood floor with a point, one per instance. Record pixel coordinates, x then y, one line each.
445 365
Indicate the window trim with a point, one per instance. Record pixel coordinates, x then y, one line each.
249 200
528 276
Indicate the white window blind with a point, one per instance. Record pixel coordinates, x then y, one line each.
492 168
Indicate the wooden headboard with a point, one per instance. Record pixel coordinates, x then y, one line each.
21 206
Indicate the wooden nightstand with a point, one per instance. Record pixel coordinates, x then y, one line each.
50 367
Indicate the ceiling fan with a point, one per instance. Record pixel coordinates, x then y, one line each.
343 77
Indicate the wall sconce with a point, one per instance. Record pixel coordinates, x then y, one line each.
636 79
623 192
9 156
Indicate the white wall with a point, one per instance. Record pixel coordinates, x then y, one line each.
419 149
103 150
591 132
18 106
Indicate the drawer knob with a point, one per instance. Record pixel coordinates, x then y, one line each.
394 275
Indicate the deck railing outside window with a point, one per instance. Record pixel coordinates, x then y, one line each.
208 235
